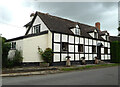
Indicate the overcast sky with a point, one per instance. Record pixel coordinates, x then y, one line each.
13 16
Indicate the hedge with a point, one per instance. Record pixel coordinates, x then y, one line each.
115 51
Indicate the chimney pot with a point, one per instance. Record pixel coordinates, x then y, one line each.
97 25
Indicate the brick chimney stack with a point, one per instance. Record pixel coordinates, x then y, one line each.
97 25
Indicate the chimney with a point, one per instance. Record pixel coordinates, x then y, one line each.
97 25
31 16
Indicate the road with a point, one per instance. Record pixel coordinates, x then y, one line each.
103 76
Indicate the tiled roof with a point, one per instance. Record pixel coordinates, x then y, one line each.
57 24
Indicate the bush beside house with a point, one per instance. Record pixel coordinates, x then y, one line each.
46 55
115 49
8 63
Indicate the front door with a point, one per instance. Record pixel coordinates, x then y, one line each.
99 52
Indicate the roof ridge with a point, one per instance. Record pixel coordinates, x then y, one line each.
66 19
57 17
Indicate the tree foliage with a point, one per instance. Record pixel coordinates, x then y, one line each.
115 49
5 50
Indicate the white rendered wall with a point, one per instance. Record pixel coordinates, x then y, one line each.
30 48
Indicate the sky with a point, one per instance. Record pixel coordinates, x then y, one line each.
13 16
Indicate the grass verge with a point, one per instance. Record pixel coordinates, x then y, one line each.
89 67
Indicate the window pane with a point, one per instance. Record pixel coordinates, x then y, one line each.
80 48
64 46
94 49
105 50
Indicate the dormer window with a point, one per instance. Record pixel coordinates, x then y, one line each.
36 29
105 36
95 34
76 30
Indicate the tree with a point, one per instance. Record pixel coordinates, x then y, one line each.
5 50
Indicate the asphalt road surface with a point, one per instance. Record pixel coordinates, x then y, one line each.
103 76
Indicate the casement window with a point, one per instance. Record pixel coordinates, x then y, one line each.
13 45
80 47
95 34
77 31
36 29
107 37
94 49
105 50
64 46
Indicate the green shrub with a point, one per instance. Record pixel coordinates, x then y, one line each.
115 49
46 55
15 61
5 49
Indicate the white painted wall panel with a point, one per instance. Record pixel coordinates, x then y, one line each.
86 41
94 42
90 57
91 34
63 57
108 51
77 57
64 38
102 50
71 48
76 40
90 49
56 47
103 37
81 40
108 45
76 48
108 56
86 56
72 57
90 41
56 37
81 55
105 44
102 57
86 49
56 57
71 39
